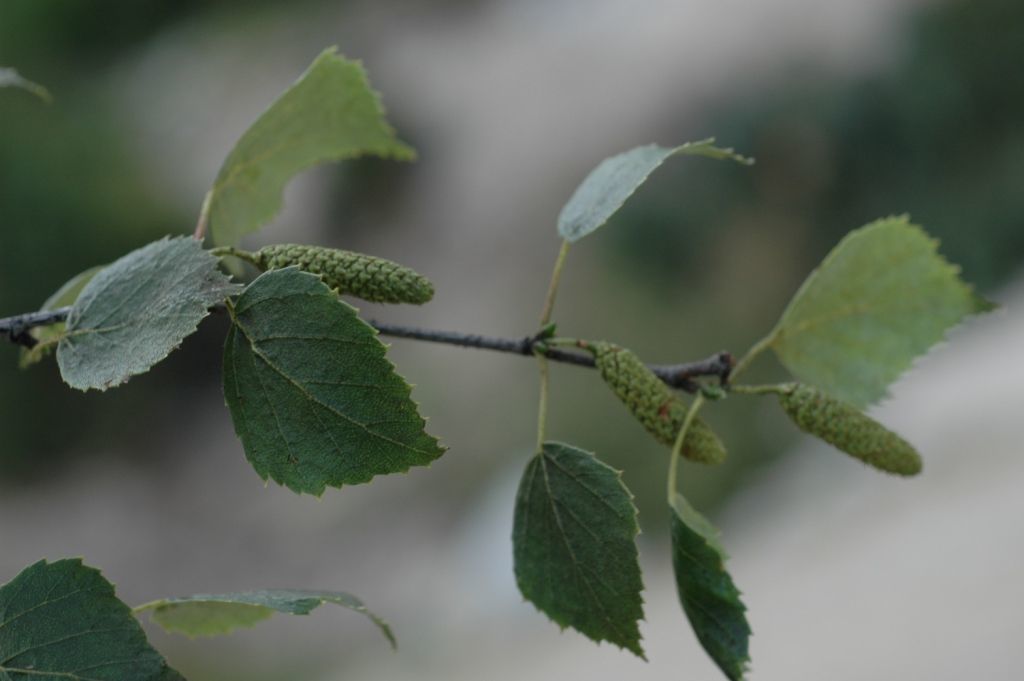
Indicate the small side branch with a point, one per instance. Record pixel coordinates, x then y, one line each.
17 328
676 375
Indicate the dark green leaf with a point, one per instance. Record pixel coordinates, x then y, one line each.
710 600
313 398
882 297
134 312
47 337
574 541
11 78
329 114
211 615
62 621
615 179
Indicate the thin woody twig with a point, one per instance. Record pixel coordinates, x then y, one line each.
676 375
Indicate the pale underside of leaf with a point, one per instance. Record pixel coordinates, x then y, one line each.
62 620
574 541
709 598
313 398
47 337
216 614
882 297
329 114
134 312
614 180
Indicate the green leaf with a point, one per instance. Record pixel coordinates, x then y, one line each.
574 543
47 337
212 615
882 297
615 179
312 396
134 312
329 114
710 599
62 620
11 78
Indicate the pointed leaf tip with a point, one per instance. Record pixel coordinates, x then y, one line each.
330 113
574 545
614 180
312 395
881 298
709 598
216 614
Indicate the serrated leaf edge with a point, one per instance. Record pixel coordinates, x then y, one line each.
636 532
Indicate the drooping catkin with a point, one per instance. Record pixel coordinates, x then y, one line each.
654 404
363 276
847 428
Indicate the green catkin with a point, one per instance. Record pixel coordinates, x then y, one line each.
654 404
364 276
847 428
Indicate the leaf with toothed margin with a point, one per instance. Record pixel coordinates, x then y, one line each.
61 620
881 297
710 599
216 614
574 540
615 179
329 114
313 398
134 312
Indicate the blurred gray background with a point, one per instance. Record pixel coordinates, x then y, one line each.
853 110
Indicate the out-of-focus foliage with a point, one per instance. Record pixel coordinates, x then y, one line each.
938 134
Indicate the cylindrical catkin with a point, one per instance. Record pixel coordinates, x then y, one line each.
847 428
654 404
363 276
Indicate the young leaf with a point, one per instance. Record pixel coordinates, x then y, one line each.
880 298
312 396
11 78
134 312
574 543
212 615
62 620
615 179
710 599
47 337
329 114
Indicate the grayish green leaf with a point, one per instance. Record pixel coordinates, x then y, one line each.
62 620
710 599
615 179
880 298
134 312
312 396
11 78
47 337
212 615
331 113
574 543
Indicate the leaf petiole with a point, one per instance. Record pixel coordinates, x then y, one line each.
677 448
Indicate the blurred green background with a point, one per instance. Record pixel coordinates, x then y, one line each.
926 118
